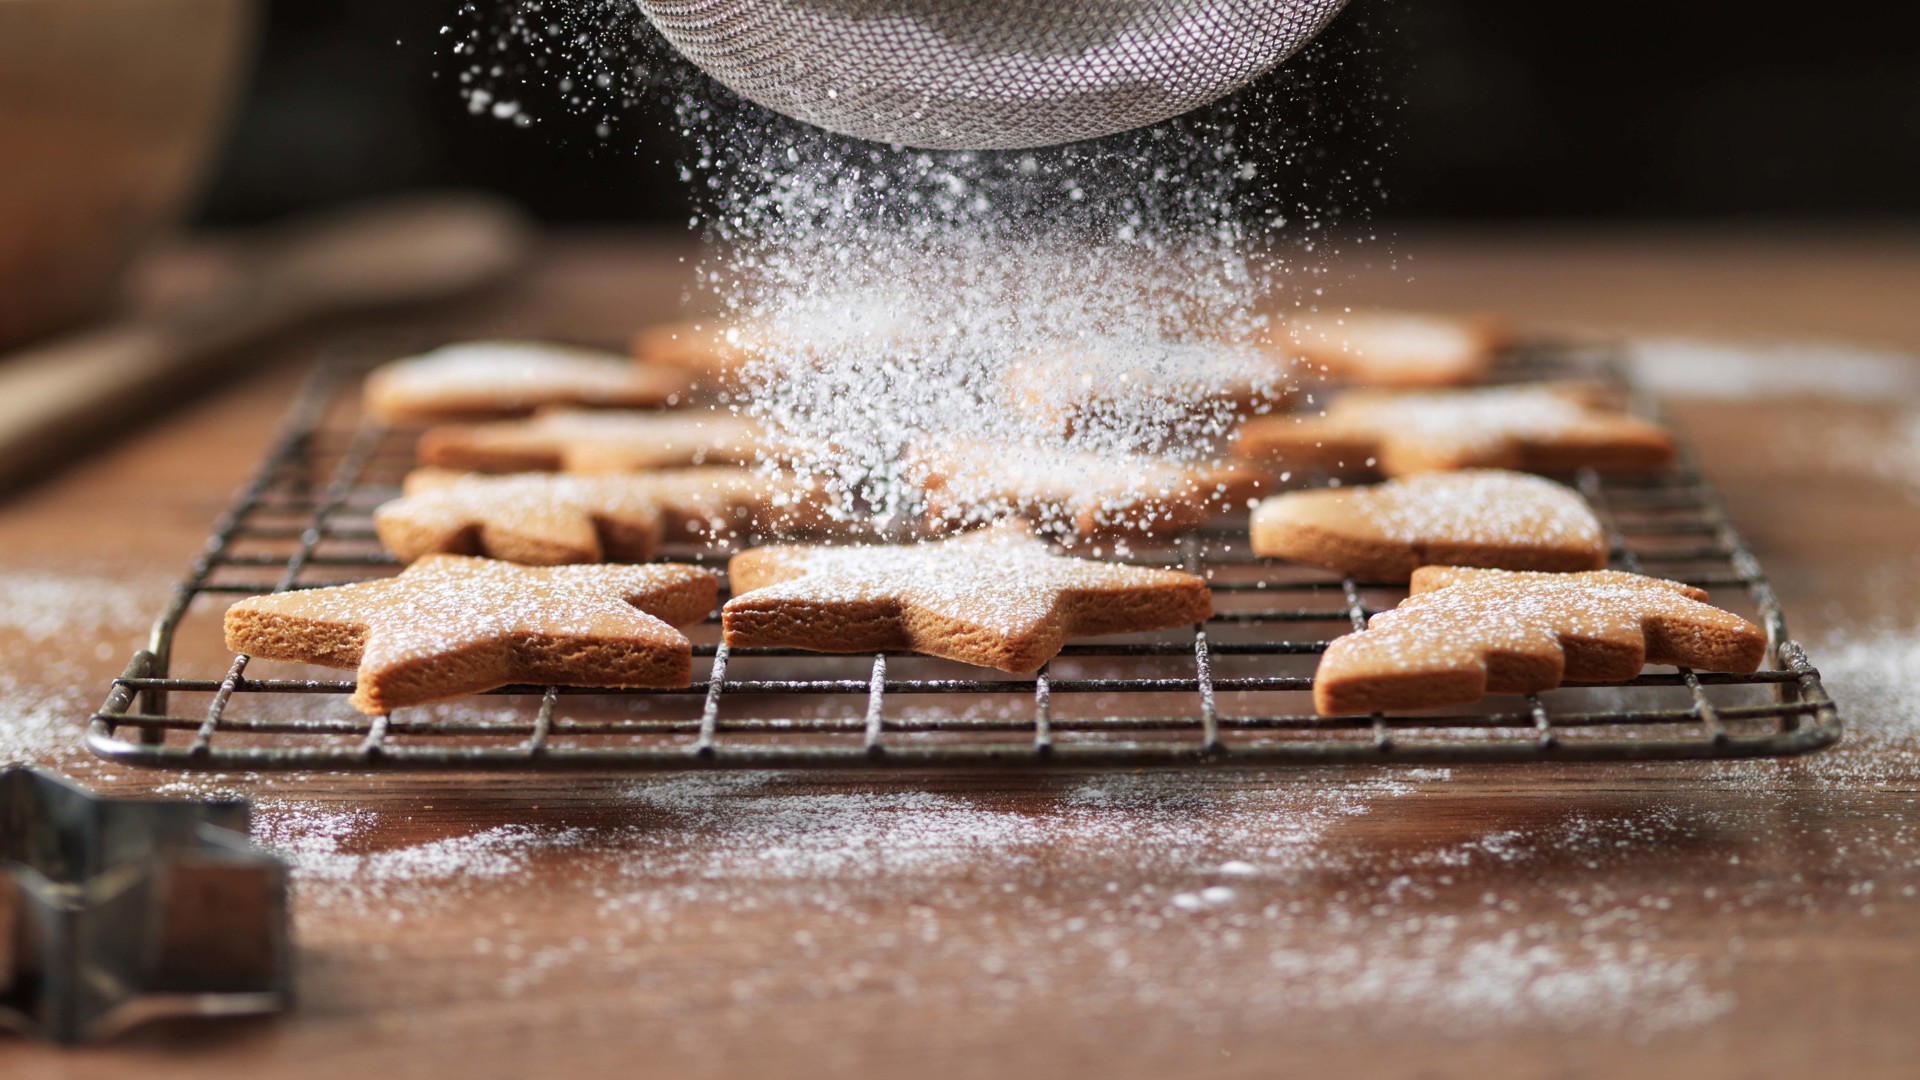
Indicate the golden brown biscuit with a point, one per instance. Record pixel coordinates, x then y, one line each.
723 352
1465 633
588 441
1476 517
1088 495
482 379
997 597
546 519
1539 427
1075 388
451 625
1394 348
715 350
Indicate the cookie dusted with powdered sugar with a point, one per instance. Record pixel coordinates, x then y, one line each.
1395 348
1539 427
714 351
727 353
1142 391
450 626
1476 517
1465 633
546 519
998 598
970 483
485 379
590 441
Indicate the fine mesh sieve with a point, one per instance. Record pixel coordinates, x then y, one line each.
985 74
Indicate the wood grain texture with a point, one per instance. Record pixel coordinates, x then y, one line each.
668 937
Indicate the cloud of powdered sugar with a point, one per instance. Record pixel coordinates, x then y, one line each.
1105 297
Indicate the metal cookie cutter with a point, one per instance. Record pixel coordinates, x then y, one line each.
114 912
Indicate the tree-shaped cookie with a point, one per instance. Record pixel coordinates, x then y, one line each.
1539 427
545 519
450 625
1475 517
480 379
581 440
998 598
971 483
1465 633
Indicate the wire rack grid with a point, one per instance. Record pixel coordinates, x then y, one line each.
1234 690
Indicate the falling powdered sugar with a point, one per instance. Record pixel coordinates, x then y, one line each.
1086 298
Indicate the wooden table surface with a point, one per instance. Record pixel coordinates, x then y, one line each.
1686 920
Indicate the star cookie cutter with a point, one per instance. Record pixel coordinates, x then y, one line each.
114 912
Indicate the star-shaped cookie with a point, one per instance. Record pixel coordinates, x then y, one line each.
973 483
1475 517
451 625
998 598
1540 427
480 379
1394 348
1465 633
581 440
545 519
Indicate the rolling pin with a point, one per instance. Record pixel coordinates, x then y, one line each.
58 398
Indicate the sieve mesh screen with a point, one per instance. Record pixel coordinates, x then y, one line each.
986 74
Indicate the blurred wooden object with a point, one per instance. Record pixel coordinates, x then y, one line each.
109 110
59 398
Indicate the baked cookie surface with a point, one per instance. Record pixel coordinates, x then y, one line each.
1174 385
997 598
714 350
1080 494
485 379
1466 633
450 625
1475 517
1395 348
1538 427
588 441
548 519
723 352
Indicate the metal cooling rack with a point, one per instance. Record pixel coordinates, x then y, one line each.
1236 689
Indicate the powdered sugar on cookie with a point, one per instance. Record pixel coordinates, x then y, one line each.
1072 389
579 440
450 625
1476 517
1388 348
997 597
1483 506
545 518
1543 426
505 378
1465 633
973 483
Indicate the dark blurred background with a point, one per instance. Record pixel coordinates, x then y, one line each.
1480 108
